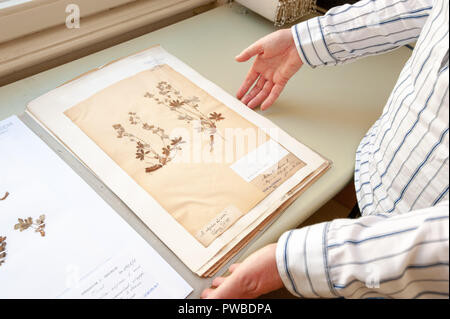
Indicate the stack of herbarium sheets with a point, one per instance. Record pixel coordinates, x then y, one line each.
199 168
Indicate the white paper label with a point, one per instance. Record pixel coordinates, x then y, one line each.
259 160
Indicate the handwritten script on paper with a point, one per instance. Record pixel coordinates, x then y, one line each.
107 262
278 174
118 278
268 166
219 224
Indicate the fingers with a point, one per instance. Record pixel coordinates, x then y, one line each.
233 267
229 289
262 95
207 293
217 282
249 80
255 49
274 94
254 92
218 289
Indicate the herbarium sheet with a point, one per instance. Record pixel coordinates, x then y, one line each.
179 143
59 239
195 164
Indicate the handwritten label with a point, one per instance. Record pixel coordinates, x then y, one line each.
278 174
4 127
219 225
118 278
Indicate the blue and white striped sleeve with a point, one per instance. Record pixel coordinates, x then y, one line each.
387 256
368 27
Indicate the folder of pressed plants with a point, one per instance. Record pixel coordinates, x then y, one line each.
198 167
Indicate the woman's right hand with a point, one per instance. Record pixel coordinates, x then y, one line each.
277 60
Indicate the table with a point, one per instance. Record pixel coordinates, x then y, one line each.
329 109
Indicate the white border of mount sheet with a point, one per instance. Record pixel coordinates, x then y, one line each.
49 110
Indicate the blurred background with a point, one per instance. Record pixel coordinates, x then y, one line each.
36 35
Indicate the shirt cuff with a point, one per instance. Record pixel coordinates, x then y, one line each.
302 262
310 42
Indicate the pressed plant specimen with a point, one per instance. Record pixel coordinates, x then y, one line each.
146 152
187 109
2 250
38 225
5 196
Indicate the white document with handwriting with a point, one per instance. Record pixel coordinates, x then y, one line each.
83 249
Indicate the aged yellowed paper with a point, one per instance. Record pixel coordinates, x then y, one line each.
195 141
148 125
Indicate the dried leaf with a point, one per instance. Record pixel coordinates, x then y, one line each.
176 103
176 141
147 127
187 110
216 117
140 155
166 150
27 223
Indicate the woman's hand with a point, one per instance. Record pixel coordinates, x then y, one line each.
257 275
276 62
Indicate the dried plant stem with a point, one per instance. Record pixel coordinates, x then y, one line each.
2 250
144 151
5 197
146 146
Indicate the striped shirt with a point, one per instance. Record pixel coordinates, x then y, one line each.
399 248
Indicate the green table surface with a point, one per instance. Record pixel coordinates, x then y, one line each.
329 109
